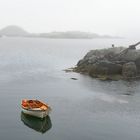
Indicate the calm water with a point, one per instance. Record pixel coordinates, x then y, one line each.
83 109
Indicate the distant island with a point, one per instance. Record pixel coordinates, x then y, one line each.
13 31
16 31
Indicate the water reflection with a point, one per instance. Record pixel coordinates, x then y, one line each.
40 125
110 87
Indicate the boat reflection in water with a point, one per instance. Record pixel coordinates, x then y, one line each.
40 125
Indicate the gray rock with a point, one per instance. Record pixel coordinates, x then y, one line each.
81 62
92 59
115 62
129 55
129 70
95 55
105 67
103 52
137 62
89 54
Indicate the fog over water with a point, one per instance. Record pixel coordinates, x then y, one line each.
112 17
33 68
82 109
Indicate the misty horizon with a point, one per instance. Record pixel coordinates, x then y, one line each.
18 26
103 17
14 30
62 31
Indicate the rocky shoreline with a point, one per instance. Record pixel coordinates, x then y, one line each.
114 63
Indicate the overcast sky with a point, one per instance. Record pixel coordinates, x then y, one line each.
113 17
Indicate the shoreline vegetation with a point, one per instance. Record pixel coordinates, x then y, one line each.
16 31
116 63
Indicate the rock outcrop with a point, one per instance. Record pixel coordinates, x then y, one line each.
113 63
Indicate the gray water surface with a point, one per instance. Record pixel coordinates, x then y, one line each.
83 109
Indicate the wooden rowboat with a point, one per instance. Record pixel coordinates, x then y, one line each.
35 108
